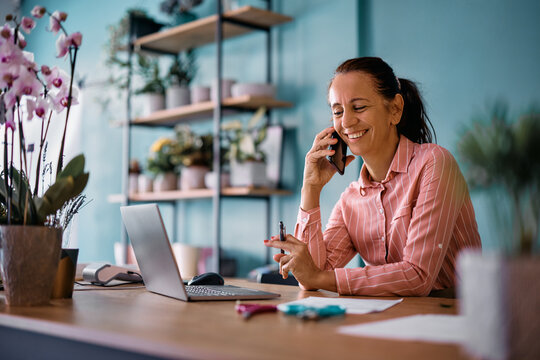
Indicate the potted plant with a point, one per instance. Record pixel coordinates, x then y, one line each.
163 162
153 90
33 215
499 292
181 72
194 153
179 10
247 160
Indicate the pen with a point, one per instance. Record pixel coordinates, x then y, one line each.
248 310
282 234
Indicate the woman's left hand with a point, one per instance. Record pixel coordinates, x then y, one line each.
298 260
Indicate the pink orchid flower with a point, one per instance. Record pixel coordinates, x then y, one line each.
10 124
62 46
60 98
38 11
27 24
56 77
10 99
75 39
38 108
26 84
55 19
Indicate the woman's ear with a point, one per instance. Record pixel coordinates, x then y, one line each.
396 109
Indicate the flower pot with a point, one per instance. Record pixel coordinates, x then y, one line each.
133 183
499 300
248 173
211 177
145 183
152 103
193 177
200 94
65 275
165 182
176 96
226 85
30 256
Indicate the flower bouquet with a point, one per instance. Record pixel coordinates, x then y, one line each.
32 220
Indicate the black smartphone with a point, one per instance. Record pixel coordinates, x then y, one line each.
340 155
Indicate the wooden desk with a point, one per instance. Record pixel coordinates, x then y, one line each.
152 325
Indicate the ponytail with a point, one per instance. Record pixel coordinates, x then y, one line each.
414 123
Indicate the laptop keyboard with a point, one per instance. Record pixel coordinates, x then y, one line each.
198 290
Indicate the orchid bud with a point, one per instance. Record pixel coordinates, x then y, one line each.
9 17
38 11
45 70
76 39
5 33
62 16
22 43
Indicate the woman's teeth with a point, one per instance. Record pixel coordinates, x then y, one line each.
357 135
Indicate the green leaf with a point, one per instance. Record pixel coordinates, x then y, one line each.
74 168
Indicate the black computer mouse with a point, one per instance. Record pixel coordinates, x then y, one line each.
209 278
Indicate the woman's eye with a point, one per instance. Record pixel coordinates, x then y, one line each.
359 108
337 112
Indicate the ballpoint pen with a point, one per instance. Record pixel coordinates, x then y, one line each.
248 310
282 234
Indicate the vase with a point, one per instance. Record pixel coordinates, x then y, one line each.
499 301
145 183
133 183
211 178
65 275
152 103
226 85
165 182
248 173
192 177
176 96
30 256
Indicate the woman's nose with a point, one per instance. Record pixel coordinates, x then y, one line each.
349 119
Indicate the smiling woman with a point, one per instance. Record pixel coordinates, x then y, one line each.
408 215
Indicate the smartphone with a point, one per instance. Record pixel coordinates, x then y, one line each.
282 234
340 155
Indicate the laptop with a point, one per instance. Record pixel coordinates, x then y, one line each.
157 262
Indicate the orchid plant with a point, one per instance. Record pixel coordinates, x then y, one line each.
30 93
244 144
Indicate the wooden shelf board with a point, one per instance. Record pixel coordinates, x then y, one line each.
169 117
200 194
201 32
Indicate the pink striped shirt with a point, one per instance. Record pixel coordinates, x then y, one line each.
408 228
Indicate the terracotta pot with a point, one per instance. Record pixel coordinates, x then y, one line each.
499 301
30 256
165 182
65 276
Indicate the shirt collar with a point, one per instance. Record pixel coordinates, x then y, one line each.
399 164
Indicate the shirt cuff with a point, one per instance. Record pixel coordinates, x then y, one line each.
342 281
304 220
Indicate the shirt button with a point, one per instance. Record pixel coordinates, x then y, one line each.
363 192
381 210
304 220
382 238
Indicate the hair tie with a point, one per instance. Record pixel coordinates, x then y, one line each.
398 83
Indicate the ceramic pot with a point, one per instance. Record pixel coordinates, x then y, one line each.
499 301
193 177
226 85
200 94
133 183
211 177
65 275
30 256
176 96
248 173
152 103
145 183
165 182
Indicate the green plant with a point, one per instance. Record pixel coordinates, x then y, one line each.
148 69
502 155
182 69
243 143
162 156
193 149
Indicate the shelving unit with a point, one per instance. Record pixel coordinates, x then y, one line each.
213 29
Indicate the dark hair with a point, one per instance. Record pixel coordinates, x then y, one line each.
414 123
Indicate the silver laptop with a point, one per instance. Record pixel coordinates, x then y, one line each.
158 265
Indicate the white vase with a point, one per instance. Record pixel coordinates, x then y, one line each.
133 183
248 173
193 177
200 94
211 177
145 183
176 96
165 182
499 301
152 103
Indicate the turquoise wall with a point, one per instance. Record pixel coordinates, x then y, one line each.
462 53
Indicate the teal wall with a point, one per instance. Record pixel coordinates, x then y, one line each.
462 53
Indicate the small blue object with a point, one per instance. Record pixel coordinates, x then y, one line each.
310 312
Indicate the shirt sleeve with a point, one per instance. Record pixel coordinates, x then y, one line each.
442 191
331 249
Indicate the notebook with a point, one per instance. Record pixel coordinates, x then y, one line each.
158 265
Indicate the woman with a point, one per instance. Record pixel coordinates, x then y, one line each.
408 215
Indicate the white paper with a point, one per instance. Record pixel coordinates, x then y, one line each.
353 306
429 328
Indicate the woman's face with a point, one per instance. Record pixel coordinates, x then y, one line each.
362 117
